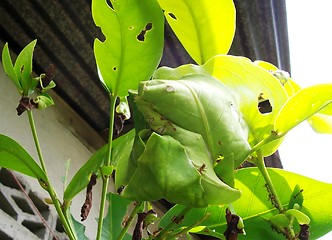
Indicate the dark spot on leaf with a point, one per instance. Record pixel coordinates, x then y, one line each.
219 143
264 105
22 69
114 68
85 210
172 16
131 27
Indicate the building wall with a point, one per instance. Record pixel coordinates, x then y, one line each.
60 132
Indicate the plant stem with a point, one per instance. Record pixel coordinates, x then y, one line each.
107 163
49 187
173 223
262 168
129 221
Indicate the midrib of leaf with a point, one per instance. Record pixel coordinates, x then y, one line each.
204 119
121 56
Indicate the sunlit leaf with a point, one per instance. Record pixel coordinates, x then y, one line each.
301 106
13 156
256 209
300 216
116 216
321 123
134 42
205 28
9 68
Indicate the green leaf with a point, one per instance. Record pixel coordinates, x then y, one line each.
112 224
321 123
134 42
23 69
301 106
9 68
13 156
256 210
296 197
205 28
248 82
79 229
280 220
121 150
165 170
300 216
43 101
200 104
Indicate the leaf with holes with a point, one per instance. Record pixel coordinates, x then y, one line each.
205 28
13 156
79 228
301 106
134 42
256 210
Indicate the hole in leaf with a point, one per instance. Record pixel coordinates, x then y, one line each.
264 105
114 68
172 16
131 27
141 35
109 3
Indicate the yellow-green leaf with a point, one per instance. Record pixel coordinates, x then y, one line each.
205 28
301 106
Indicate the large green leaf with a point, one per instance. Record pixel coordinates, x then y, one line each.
134 42
205 28
301 106
248 82
256 210
200 104
112 224
9 68
23 69
13 156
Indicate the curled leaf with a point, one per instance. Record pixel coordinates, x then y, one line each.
85 210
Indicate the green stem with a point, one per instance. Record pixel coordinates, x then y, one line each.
49 187
262 168
173 223
107 163
129 221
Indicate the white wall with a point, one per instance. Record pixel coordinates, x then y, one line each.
58 143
